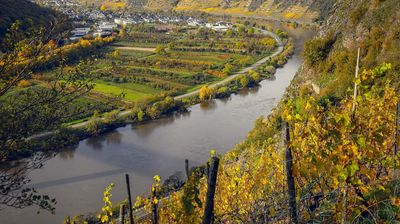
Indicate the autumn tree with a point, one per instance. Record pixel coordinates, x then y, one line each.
32 110
228 69
160 50
206 93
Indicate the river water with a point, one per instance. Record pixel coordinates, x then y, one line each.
77 176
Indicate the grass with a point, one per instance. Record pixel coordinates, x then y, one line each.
130 91
178 72
134 53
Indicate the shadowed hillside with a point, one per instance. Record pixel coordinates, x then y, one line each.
24 10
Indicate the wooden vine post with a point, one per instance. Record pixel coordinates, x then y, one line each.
396 129
129 199
346 188
290 179
211 185
155 205
187 168
122 214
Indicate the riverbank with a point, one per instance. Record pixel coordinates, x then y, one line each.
77 175
68 136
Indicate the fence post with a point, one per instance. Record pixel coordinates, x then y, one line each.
290 179
122 214
129 199
187 168
155 205
396 128
208 169
211 182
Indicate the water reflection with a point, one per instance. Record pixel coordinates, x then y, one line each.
78 176
147 128
209 105
67 153
225 100
272 78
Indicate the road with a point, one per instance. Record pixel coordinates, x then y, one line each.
251 67
195 92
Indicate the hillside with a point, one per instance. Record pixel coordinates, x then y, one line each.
304 10
342 151
24 10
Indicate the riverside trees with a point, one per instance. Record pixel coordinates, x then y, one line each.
29 110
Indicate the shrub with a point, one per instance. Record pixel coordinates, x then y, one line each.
206 93
317 50
357 14
24 83
222 91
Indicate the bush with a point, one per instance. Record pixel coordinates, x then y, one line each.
222 92
357 14
206 93
244 81
24 83
317 50
111 116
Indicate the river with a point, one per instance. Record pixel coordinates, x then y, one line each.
77 176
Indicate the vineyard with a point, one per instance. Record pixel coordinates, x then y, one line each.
323 156
146 64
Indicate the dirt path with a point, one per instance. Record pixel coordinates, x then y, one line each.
251 67
222 82
136 49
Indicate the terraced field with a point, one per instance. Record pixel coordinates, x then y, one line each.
149 65
145 66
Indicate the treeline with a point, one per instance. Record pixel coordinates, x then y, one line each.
30 15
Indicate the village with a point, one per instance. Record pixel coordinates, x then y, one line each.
94 22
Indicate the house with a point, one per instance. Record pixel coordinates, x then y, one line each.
107 27
78 33
220 27
100 33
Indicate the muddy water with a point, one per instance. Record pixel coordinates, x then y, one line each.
76 177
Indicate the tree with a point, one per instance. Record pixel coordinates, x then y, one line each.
171 45
122 32
116 54
255 76
206 93
317 49
95 123
33 109
111 116
244 81
160 50
241 29
229 33
268 42
250 31
228 69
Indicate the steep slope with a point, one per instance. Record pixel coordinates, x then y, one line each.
345 167
307 10
304 10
